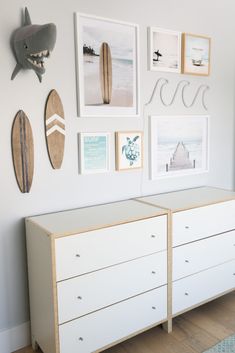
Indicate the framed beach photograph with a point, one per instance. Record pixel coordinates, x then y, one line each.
179 145
94 152
107 67
196 54
129 150
164 50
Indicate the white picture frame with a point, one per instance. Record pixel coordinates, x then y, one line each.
94 152
129 150
164 50
179 145
107 58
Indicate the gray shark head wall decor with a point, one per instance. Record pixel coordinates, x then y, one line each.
31 45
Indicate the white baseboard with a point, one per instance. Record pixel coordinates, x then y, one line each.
15 338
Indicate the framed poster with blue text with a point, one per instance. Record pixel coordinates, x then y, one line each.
94 152
107 67
179 145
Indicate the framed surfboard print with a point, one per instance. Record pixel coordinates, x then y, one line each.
107 67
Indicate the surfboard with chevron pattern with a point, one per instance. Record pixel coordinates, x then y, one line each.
23 151
55 129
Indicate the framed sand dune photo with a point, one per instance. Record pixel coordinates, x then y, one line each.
196 54
179 145
164 50
107 67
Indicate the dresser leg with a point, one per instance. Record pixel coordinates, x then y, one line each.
35 346
167 326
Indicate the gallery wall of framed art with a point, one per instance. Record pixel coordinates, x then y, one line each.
108 87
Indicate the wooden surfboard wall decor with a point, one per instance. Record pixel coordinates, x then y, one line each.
106 73
55 129
23 151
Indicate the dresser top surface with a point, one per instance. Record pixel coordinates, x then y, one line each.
191 198
95 217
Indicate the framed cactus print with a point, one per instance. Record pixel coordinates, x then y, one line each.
129 150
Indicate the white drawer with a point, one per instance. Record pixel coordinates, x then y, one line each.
86 252
84 294
199 255
94 331
202 222
197 288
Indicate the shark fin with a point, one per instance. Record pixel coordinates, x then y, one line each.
16 71
39 77
27 19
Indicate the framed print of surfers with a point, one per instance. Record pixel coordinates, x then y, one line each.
164 50
196 54
107 60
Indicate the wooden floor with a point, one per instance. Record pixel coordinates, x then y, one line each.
193 332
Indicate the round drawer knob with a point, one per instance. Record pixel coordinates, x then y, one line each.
186 293
187 261
186 227
153 236
154 307
153 272
77 255
80 338
79 297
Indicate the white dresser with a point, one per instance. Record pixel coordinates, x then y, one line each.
97 275
202 237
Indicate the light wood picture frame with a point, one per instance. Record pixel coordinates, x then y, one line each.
107 58
196 54
179 145
164 50
94 152
129 150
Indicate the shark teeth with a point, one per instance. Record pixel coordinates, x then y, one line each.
43 53
36 59
35 63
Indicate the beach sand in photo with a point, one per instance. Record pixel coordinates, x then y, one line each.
202 69
122 92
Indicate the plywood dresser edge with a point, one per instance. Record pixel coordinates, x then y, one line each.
46 231
175 210
103 226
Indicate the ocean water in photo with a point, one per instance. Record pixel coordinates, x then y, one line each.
122 82
168 61
166 150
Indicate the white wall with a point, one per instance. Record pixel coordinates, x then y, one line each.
62 189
